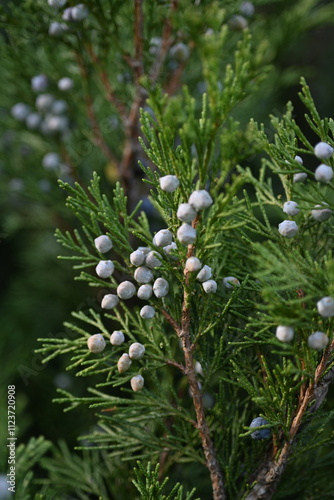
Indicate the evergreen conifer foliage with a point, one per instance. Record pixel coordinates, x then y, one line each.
212 362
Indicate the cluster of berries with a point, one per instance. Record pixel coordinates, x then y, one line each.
49 117
73 14
323 173
96 343
317 340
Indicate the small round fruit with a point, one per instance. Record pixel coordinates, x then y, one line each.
20 111
317 341
193 264
117 338
326 307
109 301
96 343
153 260
124 363
145 292
126 290
209 286
169 183
288 228
51 161
147 312
105 268
300 177
137 258
323 150
39 83
320 213
65 84
284 333
291 208
323 173
103 243
186 213
136 350
260 433
204 274
137 383
200 199
163 238
186 234
143 275
160 288
230 282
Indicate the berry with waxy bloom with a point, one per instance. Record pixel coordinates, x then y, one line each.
291 208
143 275
284 333
147 312
260 433
51 161
326 307
117 338
321 214
59 106
153 260
317 341
44 102
324 173
57 29
193 264
103 243
57 3
169 183
136 350
169 248
160 288
137 258
79 12
20 111
33 121
105 268
126 290
186 213
230 282
145 292
204 274
200 199
186 234
288 228
39 83
299 159
96 343
137 383
300 177
109 301
163 238
65 84
124 363
323 150
209 286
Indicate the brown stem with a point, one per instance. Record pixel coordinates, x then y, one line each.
270 472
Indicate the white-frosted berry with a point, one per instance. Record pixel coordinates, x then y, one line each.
153 260
117 338
51 161
230 282
96 343
300 177
59 106
204 274
179 51
44 102
169 183
209 286
160 288
291 208
147 312
198 368
145 250
79 12
105 268
163 238
126 290
169 248
103 243
57 3
39 83
317 340
137 383
200 199
137 258
326 307
247 9
323 150
124 363
193 264
33 121
109 301
186 234
186 213
20 111
55 123
238 23
321 214
284 333
136 350
145 292
299 159
323 173
67 14
143 275
288 228
65 84
57 29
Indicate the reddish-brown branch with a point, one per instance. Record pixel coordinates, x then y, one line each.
271 470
